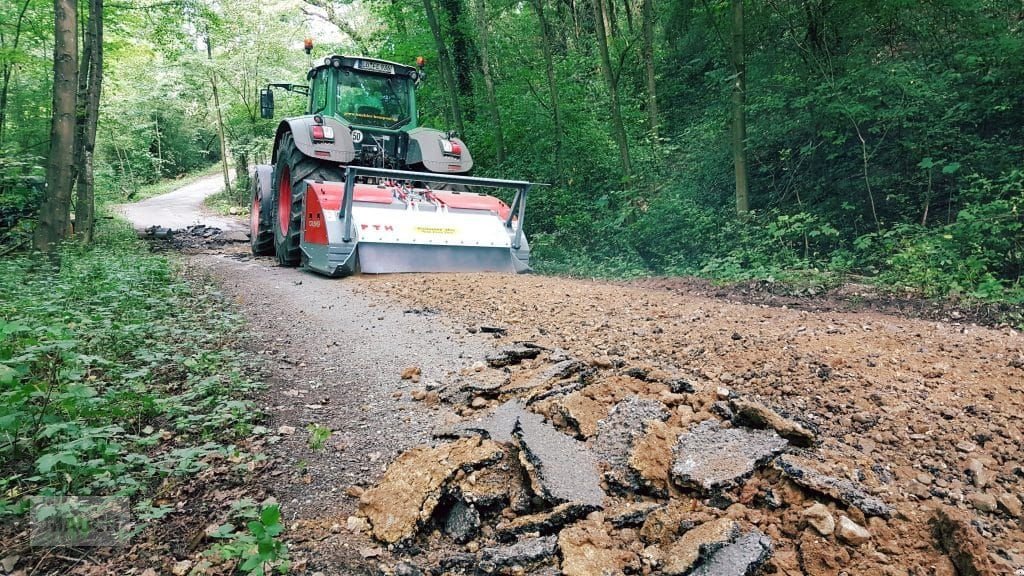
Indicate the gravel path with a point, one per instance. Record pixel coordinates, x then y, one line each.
181 208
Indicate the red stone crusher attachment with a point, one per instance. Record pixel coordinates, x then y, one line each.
386 221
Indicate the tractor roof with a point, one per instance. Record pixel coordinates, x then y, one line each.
365 64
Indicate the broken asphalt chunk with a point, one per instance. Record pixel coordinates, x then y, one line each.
742 557
632 514
711 458
561 469
413 484
588 549
804 473
697 544
527 553
618 433
512 355
755 415
547 522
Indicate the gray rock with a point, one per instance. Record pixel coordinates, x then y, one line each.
512 355
462 523
711 458
626 423
852 533
742 557
561 469
407 569
845 491
527 553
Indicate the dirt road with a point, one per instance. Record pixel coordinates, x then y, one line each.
905 456
180 208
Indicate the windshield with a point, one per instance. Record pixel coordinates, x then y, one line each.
372 100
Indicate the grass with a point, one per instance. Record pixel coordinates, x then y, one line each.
116 375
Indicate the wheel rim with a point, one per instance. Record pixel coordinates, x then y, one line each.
284 201
254 217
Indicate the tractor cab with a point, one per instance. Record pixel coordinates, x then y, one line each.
365 92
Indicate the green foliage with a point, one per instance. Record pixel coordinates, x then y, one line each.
318 436
113 375
257 546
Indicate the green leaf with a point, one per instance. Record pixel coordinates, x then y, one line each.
951 168
271 515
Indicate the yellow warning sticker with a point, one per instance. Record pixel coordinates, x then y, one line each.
435 230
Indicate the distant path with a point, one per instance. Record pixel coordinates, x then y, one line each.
181 208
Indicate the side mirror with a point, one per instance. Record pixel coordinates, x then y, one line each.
266 103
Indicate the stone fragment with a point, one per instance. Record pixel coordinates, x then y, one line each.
554 373
739 558
411 372
560 468
618 433
756 415
546 522
181 567
820 518
588 549
407 569
491 488
582 412
663 526
512 355
698 543
651 459
1010 504
983 502
956 537
462 523
980 477
632 514
850 532
802 472
479 402
413 484
357 524
286 430
527 553
711 458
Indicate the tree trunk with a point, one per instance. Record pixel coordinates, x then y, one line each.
8 71
220 117
618 129
492 100
549 68
54 212
652 91
445 64
89 99
739 121
462 53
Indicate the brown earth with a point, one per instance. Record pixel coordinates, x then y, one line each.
924 414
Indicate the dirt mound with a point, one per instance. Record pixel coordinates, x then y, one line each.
681 401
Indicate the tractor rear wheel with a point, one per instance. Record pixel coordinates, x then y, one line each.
291 171
261 214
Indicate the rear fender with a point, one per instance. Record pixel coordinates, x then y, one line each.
341 151
425 151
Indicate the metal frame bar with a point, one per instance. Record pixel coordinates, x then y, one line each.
518 206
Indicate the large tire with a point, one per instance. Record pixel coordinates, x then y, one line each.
261 215
291 171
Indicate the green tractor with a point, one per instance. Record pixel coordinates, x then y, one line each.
358 186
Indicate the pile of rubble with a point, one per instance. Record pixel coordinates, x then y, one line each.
195 236
566 467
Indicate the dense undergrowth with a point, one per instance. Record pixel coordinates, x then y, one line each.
116 376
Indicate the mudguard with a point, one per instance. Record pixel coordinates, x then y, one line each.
342 150
426 152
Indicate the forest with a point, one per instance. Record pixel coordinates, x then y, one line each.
878 140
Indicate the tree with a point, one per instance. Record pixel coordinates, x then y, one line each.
649 75
482 26
739 120
612 84
547 40
7 69
445 64
55 211
90 82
